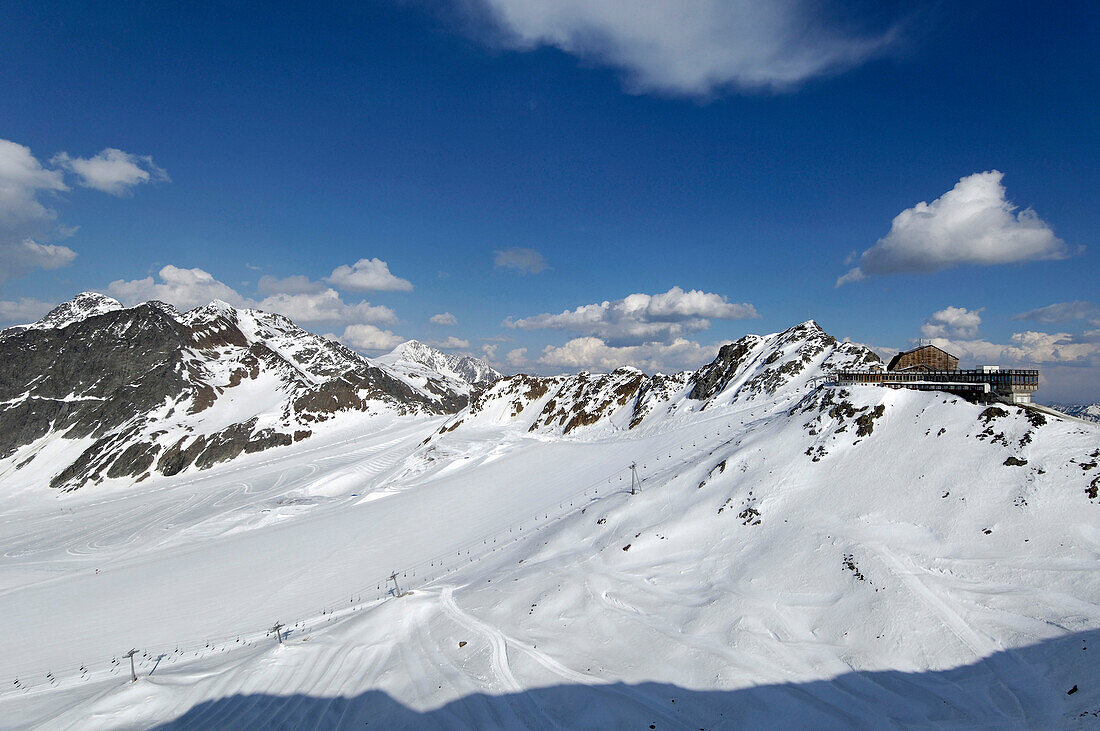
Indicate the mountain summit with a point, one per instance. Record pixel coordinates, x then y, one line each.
419 360
142 390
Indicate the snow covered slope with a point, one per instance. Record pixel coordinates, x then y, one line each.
771 372
795 556
98 392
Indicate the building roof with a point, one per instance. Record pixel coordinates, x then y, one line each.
902 354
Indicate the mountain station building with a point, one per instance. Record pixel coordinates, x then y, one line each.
929 368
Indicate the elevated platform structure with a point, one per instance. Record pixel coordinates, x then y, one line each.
1011 385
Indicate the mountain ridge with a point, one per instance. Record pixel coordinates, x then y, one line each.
147 389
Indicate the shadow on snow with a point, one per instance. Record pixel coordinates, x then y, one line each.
1024 687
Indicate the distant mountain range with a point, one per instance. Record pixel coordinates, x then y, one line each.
1088 412
96 390
418 364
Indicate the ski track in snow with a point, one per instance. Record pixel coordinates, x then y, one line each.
495 637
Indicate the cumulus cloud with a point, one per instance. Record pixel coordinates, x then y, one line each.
952 322
640 318
517 358
973 223
370 338
29 226
1061 312
1026 347
301 300
450 343
325 306
22 178
23 310
692 47
294 284
183 288
524 261
593 353
111 170
368 275
24 218
443 318
21 256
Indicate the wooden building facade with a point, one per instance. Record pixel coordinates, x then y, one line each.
924 358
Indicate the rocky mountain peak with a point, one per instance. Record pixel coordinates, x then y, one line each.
775 370
464 368
764 365
128 392
80 307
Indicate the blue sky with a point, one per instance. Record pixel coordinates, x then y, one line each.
705 168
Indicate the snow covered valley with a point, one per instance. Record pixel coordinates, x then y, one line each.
908 579
795 555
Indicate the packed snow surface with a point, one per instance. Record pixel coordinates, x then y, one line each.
795 555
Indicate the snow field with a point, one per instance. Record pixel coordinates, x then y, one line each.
593 614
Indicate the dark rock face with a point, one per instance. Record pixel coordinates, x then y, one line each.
139 380
771 363
713 378
90 377
752 367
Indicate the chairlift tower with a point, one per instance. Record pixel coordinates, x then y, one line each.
133 673
635 482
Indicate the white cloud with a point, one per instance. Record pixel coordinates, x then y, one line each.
21 256
1061 312
852 275
450 343
957 322
595 354
443 318
325 306
640 318
517 358
24 217
691 47
294 284
28 225
367 275
524 261
1026 347
303 303
22 177
23 311
370 338
112 171
183 288
973 223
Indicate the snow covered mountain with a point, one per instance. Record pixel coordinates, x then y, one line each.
84 305
97 391
422 366
1088 412
770 372
792 554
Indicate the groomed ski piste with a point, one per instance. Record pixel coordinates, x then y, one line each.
905 577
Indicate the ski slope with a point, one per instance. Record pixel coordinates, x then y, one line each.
902 577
